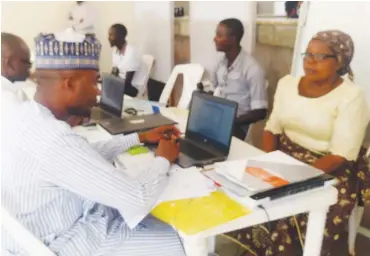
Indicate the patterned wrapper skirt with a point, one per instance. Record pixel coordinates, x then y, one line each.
286 236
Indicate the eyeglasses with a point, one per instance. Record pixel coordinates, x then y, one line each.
318 56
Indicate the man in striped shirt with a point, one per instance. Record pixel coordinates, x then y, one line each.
66 191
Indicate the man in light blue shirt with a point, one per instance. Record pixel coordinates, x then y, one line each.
65 190
238 77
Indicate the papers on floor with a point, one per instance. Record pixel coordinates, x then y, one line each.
260 173
182 184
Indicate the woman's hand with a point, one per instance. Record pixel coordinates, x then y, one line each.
329 163
270 141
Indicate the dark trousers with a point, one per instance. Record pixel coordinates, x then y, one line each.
131 91
240 131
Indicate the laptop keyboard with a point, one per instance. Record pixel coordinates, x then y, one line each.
99 114
193 151
104 115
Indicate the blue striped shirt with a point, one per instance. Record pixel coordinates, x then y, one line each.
69 195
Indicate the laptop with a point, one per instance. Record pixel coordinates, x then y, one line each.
111 100
133 124
208 132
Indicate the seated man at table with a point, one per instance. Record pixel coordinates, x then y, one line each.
239 77
15 67
65 191
126 59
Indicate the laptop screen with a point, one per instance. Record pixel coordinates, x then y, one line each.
211 121
113 89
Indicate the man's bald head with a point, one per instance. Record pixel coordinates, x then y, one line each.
15 57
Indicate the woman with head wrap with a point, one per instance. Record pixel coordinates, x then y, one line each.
320 119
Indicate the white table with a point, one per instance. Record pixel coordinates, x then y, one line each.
316 202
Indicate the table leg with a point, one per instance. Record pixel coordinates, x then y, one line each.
211 244
315 232
196 247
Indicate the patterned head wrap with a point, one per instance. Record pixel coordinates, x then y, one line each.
342 46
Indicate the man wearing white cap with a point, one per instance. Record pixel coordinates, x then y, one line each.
65 190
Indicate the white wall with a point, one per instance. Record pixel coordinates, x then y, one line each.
350 17
271 8
203 20
154 24
27 19
279 8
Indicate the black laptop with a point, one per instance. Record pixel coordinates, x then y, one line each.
133 124
111 100
208 132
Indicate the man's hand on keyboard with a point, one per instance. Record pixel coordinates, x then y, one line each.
169 149
155 135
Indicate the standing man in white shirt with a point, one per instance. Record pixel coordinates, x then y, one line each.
126 59
82 18
15 67
65 191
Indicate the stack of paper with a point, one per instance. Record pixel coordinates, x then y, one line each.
93 133
182 184
186 183
260 173
134 165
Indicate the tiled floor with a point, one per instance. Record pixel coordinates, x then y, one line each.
226 248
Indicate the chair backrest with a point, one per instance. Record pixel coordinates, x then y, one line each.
249 136
28 242
192 74
142 76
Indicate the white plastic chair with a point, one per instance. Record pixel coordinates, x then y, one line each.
354 224
192 74
27 241
143 74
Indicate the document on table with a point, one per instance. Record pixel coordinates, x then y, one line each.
186 183
93 133
182 184
263 172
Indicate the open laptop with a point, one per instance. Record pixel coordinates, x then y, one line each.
208 132
111 100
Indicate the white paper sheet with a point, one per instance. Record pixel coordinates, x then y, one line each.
134 165
186 183
93 133
182 184
235 170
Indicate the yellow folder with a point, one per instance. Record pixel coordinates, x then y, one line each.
192 216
